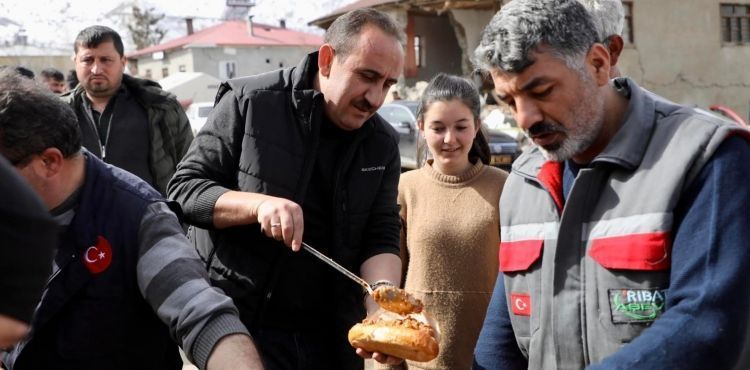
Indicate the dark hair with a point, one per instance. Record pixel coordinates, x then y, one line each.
445 88
33 119
522 26
21 70
91 37
52 74
72 79
343 32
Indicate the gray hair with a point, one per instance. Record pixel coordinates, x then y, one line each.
523 26
445 88
343 33
608 17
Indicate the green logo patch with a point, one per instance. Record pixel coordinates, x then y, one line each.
636 305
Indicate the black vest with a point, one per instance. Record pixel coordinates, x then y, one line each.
93 315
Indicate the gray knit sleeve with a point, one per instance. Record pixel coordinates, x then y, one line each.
174 282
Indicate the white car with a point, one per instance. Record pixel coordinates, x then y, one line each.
197 114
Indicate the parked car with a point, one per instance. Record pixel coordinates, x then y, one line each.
197 113
402 115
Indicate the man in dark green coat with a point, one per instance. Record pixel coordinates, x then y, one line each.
128 122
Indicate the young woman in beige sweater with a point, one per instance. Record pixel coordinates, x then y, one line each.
450 225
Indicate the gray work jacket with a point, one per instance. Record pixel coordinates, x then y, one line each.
583 280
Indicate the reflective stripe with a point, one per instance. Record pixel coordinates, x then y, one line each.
638 224
544 230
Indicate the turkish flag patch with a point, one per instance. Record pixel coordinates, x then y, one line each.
521 304
97 258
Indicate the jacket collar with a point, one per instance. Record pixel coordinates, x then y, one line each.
627 147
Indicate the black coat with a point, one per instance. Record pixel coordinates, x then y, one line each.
263 137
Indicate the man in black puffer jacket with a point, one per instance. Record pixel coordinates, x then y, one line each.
301 149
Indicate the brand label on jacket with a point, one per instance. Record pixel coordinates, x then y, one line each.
636 305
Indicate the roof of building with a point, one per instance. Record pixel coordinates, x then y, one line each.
236 33
428 5
359 4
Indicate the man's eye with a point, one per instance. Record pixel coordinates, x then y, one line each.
543 93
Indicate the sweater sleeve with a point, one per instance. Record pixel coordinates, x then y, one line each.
707 305
496 347
210 165
173 281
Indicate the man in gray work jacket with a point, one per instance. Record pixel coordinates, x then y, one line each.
623 231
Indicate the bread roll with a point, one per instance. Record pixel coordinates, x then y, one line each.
405 338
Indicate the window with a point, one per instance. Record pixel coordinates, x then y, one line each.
627 29
227 70
147 74
735 23
164 72
182 68
418 51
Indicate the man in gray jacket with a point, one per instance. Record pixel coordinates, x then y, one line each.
623 230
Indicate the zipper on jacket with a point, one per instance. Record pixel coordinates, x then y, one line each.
59 270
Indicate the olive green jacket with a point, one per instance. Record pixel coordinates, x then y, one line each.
170 134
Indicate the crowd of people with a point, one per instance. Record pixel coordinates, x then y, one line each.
616 241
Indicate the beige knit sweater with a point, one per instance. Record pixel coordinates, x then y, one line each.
449 244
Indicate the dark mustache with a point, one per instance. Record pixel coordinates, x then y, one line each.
543 128
364 105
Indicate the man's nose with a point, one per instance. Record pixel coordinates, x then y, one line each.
95 68
527 114
375 96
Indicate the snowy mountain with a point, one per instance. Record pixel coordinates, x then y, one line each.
55 24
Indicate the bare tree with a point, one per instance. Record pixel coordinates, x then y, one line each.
143 29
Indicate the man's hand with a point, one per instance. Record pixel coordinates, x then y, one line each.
379 357
281 219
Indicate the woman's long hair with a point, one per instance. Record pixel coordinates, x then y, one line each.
445 87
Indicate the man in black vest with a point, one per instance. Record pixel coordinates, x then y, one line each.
125 283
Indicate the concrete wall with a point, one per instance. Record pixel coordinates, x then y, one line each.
172 61
248 61
441 51
678 53
469 25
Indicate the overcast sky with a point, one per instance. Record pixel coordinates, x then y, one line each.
58 21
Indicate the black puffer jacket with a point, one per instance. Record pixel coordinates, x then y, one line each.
263 137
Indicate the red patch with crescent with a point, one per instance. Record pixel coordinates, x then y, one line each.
521 304
97 258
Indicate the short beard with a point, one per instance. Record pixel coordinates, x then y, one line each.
589 118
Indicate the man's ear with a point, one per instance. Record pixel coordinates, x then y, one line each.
615 48
325 59
51 163
598 59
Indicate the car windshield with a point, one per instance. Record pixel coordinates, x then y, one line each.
395 113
